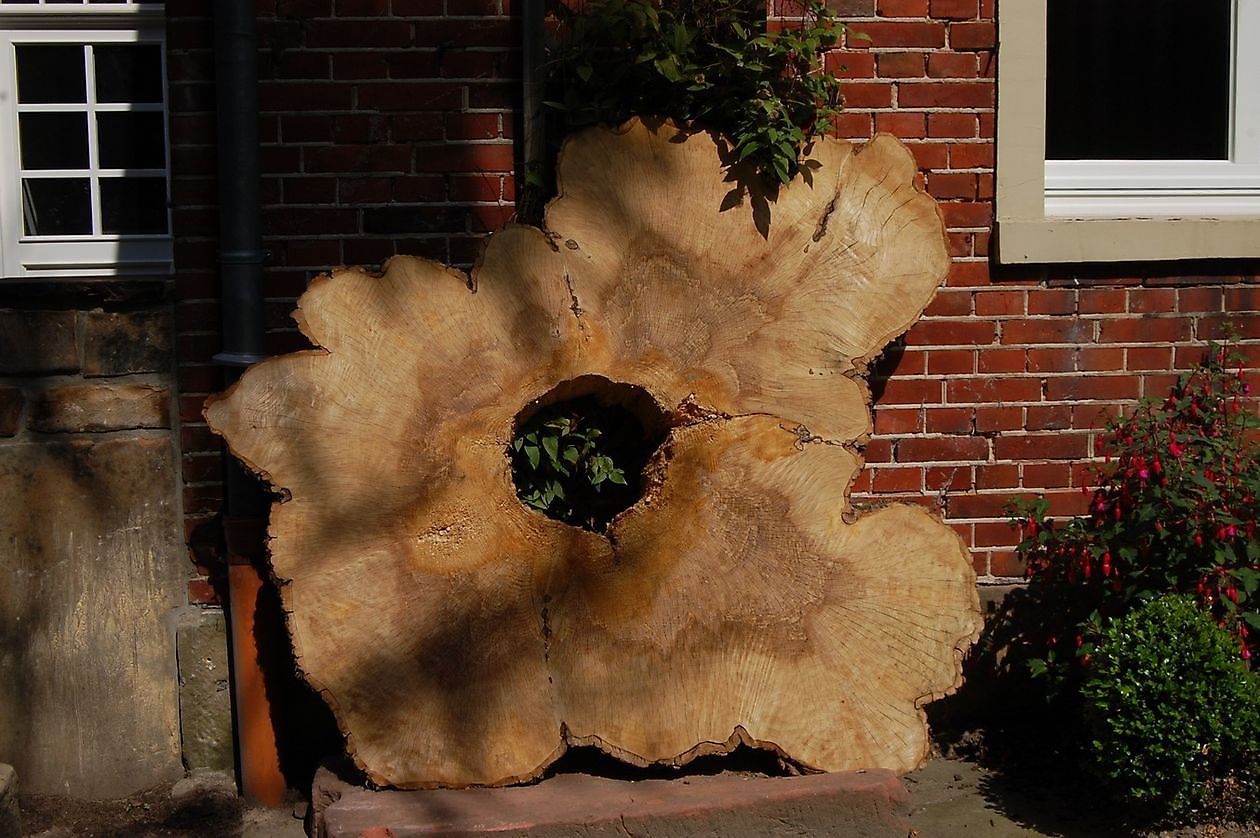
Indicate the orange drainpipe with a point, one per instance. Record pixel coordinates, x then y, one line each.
241 259
261 780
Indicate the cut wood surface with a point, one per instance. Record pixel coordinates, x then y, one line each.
462 638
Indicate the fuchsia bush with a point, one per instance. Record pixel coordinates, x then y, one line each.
1174 512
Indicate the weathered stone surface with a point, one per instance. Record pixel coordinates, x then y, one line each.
872 803
992 596
37 342
121 343
84 292
91 566
205 695
101 406
852 8
10 815
11 401
204 782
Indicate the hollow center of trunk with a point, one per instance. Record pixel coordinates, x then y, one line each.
578 452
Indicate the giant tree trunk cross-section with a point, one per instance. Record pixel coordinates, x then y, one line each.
462 638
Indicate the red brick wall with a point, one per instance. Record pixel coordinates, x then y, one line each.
387 128
1000 388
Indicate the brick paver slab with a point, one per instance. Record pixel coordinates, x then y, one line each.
869 803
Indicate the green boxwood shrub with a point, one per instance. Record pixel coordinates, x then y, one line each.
1172 715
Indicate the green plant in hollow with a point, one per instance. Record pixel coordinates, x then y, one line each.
1175 511
710 64
563 462
1172 715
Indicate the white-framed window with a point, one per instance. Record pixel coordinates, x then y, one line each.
83 139
1128 130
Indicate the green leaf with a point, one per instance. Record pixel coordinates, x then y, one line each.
531 451
781 169
680 39
551 446
668 68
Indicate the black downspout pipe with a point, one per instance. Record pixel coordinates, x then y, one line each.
533 31
240 232
529 186
240 292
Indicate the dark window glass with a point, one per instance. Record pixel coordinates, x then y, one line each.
128 72
56 206
1138 80
133 205
131 140
53 140
50 73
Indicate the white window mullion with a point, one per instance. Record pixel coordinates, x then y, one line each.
94 155
1245 145
10 187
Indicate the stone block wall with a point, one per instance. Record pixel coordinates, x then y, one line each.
92 564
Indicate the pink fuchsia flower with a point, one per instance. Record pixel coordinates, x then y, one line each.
1175 449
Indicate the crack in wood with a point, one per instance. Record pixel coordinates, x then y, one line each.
805 437
546 636
821 229
574 306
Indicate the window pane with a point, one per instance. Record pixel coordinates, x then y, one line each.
133 205
128 72
56 206
50 73
53 140
131 140
1138 80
